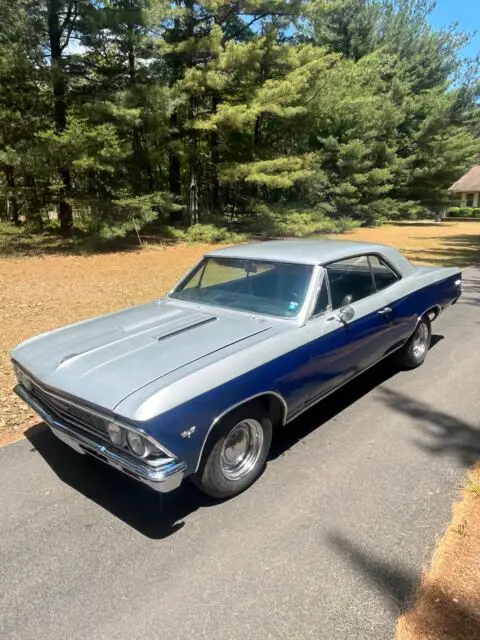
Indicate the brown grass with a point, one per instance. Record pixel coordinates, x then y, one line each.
447 603
441 243
41 293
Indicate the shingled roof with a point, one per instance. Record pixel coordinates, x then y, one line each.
469 182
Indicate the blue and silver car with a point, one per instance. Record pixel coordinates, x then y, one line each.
193 384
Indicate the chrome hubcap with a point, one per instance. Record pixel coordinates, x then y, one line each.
419 345
241 449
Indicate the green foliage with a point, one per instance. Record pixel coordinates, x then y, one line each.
463 212
288 222
206 233
193 116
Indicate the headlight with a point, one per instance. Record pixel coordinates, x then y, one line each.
136 444
115 433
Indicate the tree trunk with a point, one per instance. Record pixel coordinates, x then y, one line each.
215 161
12 202
174 178
192 205
55 30
33 205
141 161
174 168
193 195
174 164
193 173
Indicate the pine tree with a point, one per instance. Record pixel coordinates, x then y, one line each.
121 112
22 111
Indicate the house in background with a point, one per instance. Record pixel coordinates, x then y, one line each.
468 187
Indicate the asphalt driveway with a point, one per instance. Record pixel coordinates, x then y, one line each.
328 544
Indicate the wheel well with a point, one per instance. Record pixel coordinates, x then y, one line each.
277 408
432 313
273 403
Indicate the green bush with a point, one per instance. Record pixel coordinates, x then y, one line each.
288 222
346 224
464 212
210 234
411 211
302 224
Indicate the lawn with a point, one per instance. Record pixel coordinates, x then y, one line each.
54 288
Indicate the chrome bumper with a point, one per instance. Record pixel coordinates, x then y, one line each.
165 477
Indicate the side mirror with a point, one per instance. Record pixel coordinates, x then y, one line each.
346 312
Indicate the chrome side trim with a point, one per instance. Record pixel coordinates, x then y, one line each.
163 478
235 406
360 253
92 412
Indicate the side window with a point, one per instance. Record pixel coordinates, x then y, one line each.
322 299
350 280
382 274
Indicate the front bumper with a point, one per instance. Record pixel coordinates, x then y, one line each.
163 478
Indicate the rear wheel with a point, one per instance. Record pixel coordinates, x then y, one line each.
236 452
415 351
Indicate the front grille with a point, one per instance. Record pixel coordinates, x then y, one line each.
73 415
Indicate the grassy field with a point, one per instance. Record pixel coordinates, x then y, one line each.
52 289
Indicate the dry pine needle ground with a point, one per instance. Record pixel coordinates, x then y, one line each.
447 604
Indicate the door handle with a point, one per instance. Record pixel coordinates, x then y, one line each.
385 311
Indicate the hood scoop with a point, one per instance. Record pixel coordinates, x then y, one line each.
191 325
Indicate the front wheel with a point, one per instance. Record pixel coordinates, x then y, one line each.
415 351
235 453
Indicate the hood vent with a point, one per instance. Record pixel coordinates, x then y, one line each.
194 325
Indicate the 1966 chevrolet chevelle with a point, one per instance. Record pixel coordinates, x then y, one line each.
193 384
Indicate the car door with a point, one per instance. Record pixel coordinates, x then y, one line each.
350 328
387 280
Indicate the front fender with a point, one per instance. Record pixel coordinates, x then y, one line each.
185 429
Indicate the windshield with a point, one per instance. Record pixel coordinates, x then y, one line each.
257 286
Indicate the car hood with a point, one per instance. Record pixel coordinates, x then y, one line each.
105 359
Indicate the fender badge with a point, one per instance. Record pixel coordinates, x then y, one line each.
188 432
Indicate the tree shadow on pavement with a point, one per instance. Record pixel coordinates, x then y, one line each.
395 583
436 614
454 251
471 292
158 516
440 433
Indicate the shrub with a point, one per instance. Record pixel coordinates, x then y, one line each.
210 234
346 224
286 221
464 212
453 212
301 224
412 211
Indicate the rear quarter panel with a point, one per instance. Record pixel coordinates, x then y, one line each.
426 289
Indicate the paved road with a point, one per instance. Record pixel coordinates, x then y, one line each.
327 545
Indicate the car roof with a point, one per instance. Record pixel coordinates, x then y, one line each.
302 251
